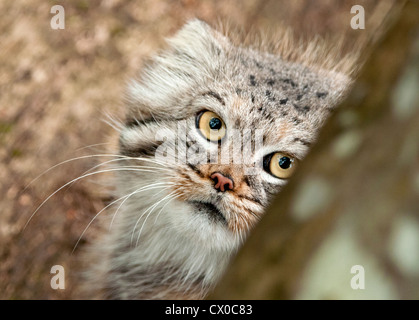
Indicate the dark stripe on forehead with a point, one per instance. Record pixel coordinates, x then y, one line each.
252 80
289 81
301 109
283 101
321 94
216 96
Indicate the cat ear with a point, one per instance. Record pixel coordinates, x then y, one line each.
199 42
193 55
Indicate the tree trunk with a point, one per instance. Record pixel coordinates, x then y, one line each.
347 224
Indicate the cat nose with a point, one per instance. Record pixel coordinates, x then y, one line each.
222 183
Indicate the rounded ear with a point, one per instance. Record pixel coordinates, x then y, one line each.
199 41
193 54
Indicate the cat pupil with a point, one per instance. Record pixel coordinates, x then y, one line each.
285 162
215 124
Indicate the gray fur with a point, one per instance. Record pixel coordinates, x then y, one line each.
182 251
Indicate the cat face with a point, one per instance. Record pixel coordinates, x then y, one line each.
222 129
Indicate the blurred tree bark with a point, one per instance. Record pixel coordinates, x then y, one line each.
347 224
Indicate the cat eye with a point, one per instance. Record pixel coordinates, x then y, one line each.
211 125
280 165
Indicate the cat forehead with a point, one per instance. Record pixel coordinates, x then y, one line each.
263 90
251 88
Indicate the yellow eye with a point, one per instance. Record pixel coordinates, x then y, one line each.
280 165
211 125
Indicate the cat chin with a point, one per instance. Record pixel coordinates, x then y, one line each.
203 225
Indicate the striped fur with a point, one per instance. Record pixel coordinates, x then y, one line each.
181 247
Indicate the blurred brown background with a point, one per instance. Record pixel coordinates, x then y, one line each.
57 88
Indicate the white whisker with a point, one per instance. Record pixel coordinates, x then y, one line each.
172 198
115 124
74 180
139 219
110 204
149 187
92 156
93 145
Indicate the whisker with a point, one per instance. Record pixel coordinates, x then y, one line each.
103 209
93 145
174 197
166 184
148 215
139 219
92 156
88 225
133 166
115 124
74 180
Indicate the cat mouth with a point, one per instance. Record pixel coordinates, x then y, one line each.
209 209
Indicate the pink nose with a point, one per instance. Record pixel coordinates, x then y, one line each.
222 182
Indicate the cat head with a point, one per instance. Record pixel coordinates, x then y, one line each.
220 128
